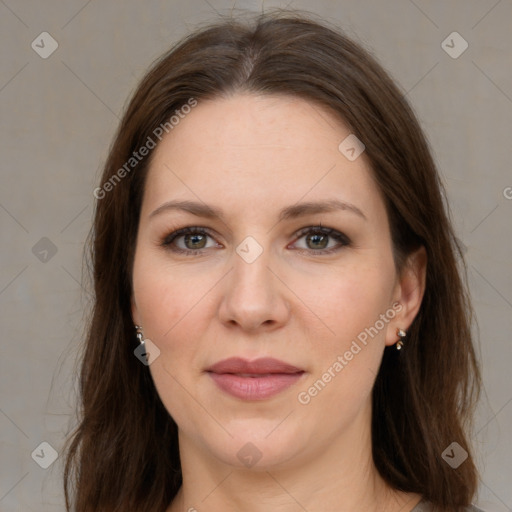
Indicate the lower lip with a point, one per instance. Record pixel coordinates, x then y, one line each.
255 388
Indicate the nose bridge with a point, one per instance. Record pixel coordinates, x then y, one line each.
251 278
251 271
253 295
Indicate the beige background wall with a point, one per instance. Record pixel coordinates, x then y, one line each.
59 114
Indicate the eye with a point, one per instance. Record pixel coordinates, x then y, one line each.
189 240
318 239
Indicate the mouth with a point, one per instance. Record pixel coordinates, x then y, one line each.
254 380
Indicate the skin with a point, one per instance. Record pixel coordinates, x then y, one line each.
252 156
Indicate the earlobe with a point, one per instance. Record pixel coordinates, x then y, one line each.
409 293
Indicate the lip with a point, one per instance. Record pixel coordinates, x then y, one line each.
263 365
254 380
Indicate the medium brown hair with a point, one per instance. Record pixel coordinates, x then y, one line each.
123 455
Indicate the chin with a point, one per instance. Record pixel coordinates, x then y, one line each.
258 447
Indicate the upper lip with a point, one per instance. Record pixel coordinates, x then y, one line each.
263 365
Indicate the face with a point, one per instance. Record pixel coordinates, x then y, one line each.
286 255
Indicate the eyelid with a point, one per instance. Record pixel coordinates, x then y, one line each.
168 240
342 239
321 229
186 230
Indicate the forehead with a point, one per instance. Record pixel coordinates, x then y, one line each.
255 151
225 128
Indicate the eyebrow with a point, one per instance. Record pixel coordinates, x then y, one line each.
290 212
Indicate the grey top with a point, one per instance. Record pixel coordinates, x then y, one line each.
425 506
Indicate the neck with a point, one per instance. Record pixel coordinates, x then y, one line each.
341 478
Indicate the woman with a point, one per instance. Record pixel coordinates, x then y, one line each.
281 320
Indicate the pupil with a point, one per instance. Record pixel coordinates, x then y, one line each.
196 240
319 239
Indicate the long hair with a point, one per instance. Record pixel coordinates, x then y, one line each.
123 455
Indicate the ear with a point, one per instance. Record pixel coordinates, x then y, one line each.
408 292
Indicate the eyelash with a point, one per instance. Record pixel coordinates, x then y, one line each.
343 240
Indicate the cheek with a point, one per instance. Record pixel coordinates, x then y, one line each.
172 309
347 301
176 308
348 361
166 298
348 353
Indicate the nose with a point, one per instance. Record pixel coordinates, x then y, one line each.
254 298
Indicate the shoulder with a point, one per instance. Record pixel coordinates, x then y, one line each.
425 506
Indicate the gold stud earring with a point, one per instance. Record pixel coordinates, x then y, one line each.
402 334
